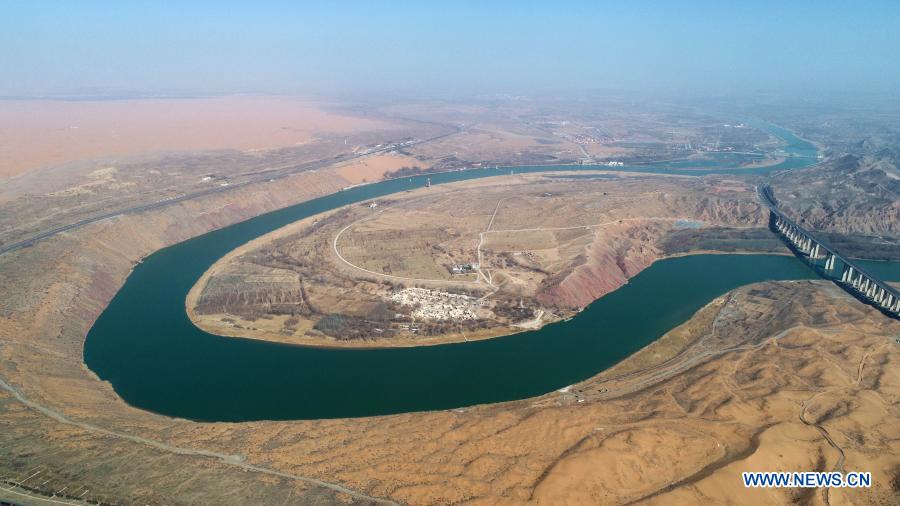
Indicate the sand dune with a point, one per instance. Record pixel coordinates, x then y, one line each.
39 133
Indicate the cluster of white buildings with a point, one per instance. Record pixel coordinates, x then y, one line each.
463 268
435 304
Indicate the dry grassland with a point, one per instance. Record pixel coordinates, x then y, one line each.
374 168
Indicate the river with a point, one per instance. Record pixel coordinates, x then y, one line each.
145 345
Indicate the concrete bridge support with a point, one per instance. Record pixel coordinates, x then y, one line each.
847 275
798 238
877 293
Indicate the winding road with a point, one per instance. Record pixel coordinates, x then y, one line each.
233 460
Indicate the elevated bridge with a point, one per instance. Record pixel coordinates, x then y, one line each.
852 277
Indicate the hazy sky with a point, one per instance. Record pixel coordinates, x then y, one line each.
486 46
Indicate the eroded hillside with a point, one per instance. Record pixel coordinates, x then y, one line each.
854 201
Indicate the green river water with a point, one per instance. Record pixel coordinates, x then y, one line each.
156 359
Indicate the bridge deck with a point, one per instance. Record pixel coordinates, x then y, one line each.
766 197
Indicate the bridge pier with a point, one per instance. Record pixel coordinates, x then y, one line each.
819 253
847 276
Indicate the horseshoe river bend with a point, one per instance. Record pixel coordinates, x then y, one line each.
145 345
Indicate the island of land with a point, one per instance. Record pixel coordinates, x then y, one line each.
470 260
